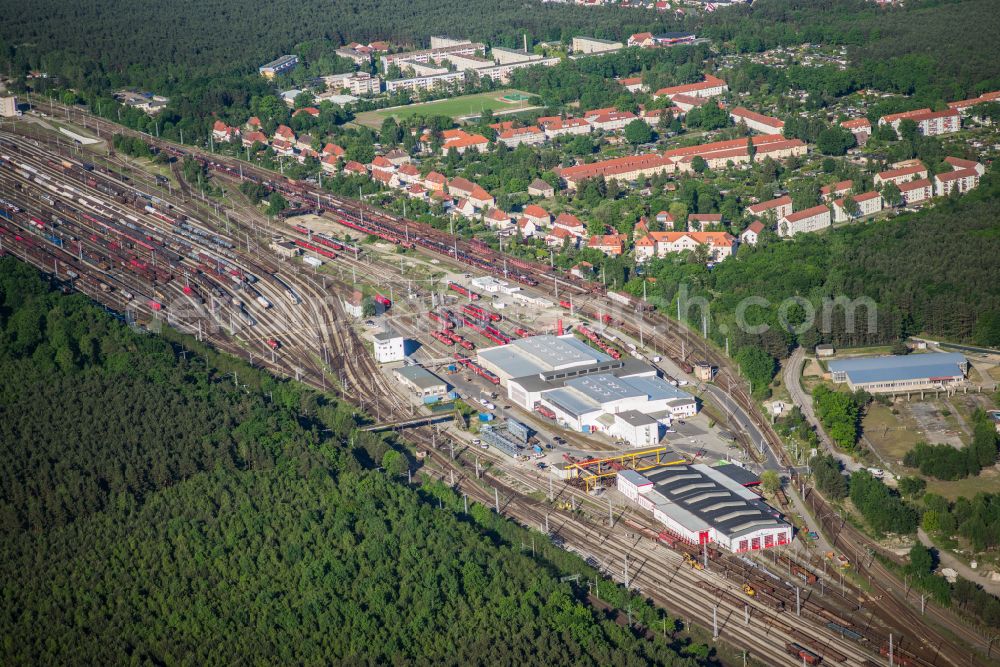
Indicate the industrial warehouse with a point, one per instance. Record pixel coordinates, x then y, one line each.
586 390
894 373
701 504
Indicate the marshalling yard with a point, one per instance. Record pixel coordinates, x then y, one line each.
158 254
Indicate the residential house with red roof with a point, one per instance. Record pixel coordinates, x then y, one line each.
408 174
499 220
612 245
306 111
513 137
526 227
333 150
249 138
752 233
462 141
353 167
720 245
633 84
464 208
480 198
417 191
557 237
329 164
710 87
386 178
560 126
571 224
642 39
435 181
460 187
610 121
381 163
537 215
779 207
223 132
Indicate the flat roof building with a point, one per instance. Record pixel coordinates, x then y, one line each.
897 373
588 45
538 354
587 390
389 347
700 505
420 381
275 67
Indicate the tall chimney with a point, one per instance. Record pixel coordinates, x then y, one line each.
559 329
525 35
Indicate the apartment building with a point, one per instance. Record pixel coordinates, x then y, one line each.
930 123
915 192
869 203
513 137
779 207
710 87
809 220
962 180
720 245
899 176
621 169
756 121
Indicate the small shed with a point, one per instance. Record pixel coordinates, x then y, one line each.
825 350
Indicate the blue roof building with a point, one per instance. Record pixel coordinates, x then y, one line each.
892 373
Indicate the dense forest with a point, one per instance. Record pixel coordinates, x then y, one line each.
922 48
164 504
163 46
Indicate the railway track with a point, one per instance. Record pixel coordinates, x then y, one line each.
361 376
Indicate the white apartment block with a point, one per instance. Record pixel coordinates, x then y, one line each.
809 220
869 203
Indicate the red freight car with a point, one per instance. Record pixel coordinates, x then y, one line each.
383 300
803 653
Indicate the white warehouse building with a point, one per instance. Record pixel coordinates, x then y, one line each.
701 505
587 390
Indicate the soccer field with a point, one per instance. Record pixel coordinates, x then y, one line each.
454 107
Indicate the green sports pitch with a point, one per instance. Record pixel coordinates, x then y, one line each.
455 107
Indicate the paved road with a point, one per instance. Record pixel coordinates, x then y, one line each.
792 376
743 421
949 560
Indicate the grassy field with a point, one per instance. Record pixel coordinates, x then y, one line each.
988 481
454 107
892 435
